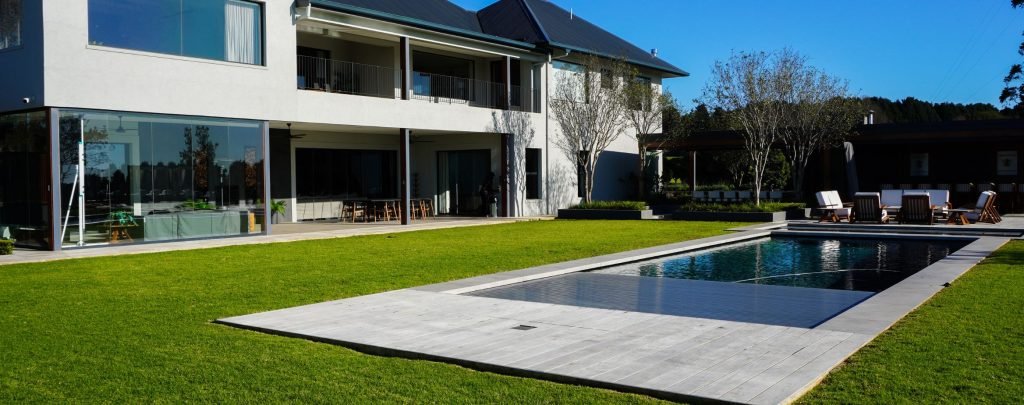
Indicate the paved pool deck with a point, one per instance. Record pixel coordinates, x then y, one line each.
673 357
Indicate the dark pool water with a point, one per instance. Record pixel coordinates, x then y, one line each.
842 264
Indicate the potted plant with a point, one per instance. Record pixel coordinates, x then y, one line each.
276 208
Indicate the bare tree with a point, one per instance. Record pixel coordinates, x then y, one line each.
644 108
755 88
821 114
519 125
588 108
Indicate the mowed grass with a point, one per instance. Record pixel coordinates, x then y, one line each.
138 328
966 345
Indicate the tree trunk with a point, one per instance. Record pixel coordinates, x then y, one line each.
642 164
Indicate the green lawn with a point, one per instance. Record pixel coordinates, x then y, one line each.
966 345
137 328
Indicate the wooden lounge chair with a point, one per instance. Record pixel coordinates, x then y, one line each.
832 207
867 207
985 209
917 209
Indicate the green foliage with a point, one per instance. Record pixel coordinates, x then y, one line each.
766 206
137 328
610 205
6 247
122 218
965 345
196 205
278 207
911 110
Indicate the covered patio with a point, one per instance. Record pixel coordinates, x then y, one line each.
347 176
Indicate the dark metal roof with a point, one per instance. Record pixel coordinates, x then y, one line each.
521 23
437 15
556 27
1000 130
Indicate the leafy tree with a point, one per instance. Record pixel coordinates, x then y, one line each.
590 114
755 87
1013 93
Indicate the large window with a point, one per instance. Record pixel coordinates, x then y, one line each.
533 173
346 173
25 179
229 30
10 23
157 177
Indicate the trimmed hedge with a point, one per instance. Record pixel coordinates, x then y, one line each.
6 247
611 205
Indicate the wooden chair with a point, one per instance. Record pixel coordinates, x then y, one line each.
832 207
985 209
867 207
917 208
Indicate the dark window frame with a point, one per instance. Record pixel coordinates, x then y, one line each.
533 173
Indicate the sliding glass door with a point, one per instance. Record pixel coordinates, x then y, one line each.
462 179
25 179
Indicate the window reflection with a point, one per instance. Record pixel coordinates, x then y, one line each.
153 177
24 174
229 30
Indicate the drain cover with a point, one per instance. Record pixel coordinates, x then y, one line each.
524 327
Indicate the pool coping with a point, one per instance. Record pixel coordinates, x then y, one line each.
868 319
860 324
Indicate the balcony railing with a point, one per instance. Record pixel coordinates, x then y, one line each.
337 76
477 93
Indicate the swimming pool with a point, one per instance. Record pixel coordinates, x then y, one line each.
780 280
842 264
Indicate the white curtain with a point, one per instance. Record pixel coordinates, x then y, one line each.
443 192
10 23
240 32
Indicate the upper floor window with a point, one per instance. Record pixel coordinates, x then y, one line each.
10 23
228 30
570 81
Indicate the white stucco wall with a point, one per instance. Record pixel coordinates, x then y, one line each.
80 75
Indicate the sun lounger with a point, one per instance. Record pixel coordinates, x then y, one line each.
867 207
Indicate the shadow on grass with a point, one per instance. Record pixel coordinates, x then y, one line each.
1010 255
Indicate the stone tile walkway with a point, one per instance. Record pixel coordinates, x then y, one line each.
673 357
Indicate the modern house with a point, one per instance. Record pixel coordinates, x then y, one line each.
153 120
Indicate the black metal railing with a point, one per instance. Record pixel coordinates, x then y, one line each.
337 76
477 93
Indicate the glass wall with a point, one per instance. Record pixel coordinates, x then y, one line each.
10 23
25 179
346 173
229 30
156 177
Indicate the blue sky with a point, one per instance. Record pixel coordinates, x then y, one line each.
935 50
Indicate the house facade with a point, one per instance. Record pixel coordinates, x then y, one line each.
140 121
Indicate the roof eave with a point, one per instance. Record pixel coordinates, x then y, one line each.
672 72
377 15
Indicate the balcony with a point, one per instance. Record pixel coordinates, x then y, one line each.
335 76
477 93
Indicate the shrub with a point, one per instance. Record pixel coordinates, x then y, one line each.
740 207
6 246
611 205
